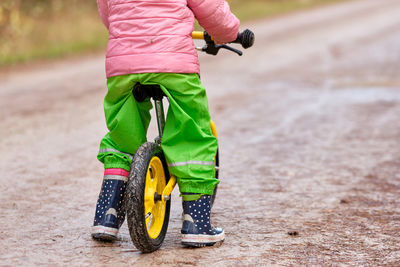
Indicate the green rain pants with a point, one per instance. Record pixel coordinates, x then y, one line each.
187 142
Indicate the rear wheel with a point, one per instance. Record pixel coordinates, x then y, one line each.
147 214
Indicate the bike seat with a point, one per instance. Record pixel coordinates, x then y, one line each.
143 91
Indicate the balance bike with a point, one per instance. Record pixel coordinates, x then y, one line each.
149 188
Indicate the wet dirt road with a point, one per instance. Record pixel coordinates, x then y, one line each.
309 133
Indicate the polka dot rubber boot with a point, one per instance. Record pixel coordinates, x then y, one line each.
197 230
110 212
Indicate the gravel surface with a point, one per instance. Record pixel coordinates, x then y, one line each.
309 132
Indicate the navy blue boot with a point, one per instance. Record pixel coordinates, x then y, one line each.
197 230
110 211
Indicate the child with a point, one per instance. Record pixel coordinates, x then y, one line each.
150 42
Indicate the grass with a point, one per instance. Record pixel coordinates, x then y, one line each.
79 30
48 37
256 9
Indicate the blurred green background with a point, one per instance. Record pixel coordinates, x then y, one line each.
44 29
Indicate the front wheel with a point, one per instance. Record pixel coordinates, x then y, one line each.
147 214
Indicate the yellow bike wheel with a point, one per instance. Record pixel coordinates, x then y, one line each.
147 214
154 210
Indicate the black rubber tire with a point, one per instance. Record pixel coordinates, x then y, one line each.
135 199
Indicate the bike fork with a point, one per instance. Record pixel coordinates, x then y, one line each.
166 194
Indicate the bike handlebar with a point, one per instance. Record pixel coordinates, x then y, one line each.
245 38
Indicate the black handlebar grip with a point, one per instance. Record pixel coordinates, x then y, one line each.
245 38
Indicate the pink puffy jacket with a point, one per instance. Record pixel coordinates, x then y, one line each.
155 36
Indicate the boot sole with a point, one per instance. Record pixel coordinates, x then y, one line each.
104 233
202 240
